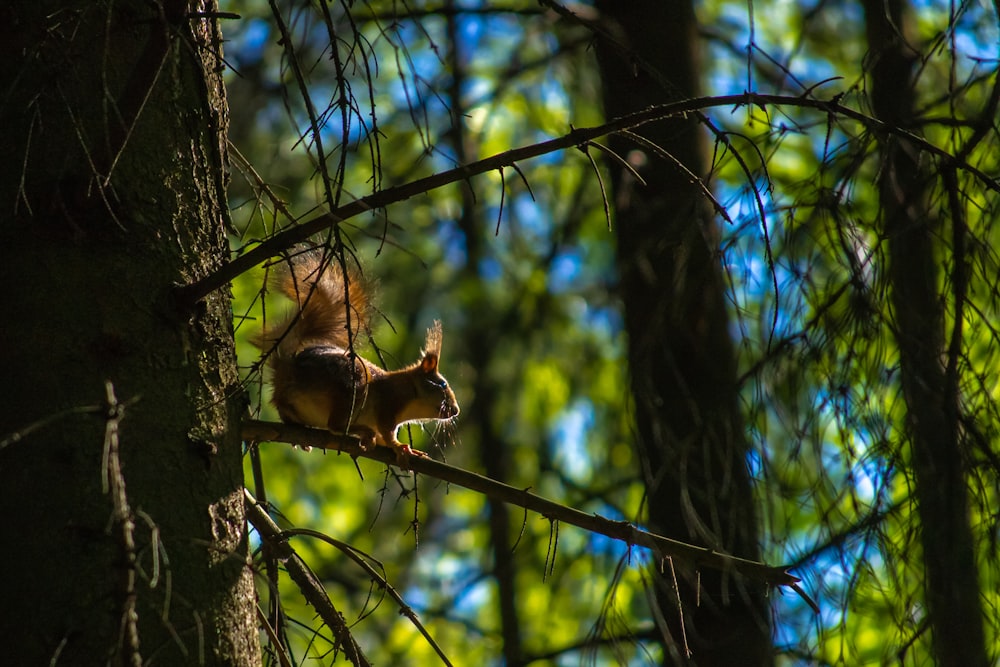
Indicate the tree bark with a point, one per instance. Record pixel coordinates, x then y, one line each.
690 434
120 469
932 401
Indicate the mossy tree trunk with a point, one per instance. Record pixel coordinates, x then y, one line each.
126 537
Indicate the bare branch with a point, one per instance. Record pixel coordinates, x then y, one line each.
663 547
306 580
188 295
362 560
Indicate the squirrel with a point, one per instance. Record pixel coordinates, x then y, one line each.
318 380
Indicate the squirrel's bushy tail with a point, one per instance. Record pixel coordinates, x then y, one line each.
330 309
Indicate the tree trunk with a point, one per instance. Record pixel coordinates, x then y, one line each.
123 504
493 450
690 433
931 393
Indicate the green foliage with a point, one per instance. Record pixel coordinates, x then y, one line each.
528 320
519 265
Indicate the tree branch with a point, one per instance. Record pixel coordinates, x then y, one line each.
662 547
308 583
188 295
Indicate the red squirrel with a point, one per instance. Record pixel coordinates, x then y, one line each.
319 381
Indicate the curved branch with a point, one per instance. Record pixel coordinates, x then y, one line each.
188 295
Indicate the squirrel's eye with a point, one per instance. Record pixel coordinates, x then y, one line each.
440 383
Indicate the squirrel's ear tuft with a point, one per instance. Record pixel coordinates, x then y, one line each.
432 347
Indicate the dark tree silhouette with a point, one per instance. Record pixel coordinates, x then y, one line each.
690 429
120 468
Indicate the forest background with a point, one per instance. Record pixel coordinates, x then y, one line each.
756 313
